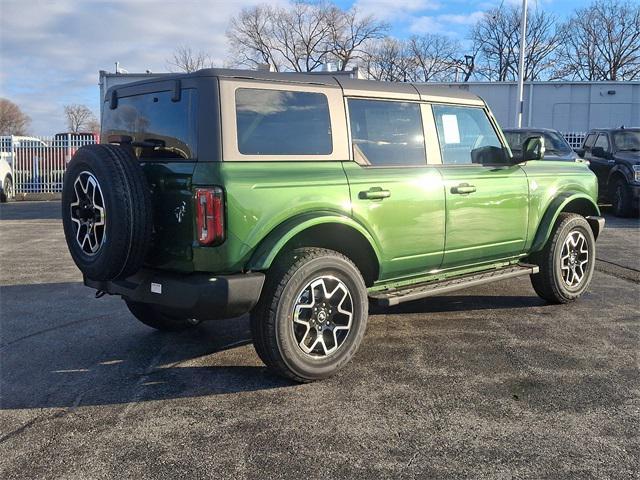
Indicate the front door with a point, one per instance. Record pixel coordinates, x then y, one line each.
486 197
600 160
393 192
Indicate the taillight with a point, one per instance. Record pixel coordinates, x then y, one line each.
210 216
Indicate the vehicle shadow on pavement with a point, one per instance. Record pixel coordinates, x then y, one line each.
63 348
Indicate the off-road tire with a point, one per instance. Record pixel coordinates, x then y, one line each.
549 283
621 199
270 319
160 321
128 211
7 190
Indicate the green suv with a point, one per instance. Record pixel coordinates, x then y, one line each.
301 198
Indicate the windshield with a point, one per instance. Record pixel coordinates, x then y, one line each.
554 142
627 141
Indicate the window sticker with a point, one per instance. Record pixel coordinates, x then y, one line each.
450 127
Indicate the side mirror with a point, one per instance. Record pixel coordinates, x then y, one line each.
599 152
579 152
533 149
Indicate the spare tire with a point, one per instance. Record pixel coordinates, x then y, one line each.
106 212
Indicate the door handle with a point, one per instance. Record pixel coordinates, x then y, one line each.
463 188
374 193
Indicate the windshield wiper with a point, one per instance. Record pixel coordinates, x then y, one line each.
635 149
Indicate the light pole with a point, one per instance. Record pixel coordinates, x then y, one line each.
523 44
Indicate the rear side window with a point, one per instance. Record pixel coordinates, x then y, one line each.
168 127
386 133
282 122
466 136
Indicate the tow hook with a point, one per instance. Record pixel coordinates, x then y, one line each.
100 293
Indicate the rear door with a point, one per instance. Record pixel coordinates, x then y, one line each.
486 198
393 190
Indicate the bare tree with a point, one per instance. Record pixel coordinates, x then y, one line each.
13 121
433 56
496 38
494 35
250 38
184 59
302 37
602 42
295 38
79 117
350 34
389 60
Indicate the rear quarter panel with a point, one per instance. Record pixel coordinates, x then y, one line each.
262 195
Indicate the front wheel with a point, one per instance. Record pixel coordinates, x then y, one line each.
312 314
622 199
567 260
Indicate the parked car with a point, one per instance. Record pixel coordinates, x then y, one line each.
556 146
6 178
299 198
72 141
614 156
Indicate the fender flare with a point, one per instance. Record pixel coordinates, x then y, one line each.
619 169
555 208
273 243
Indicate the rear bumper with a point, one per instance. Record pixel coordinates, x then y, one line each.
198 295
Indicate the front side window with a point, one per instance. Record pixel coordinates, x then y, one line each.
588 143
466 136
386 133
603 141
281 122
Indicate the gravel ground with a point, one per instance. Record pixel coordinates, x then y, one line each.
488 382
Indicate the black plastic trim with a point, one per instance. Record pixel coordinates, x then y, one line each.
197 295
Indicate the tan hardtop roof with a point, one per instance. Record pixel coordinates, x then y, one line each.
350 87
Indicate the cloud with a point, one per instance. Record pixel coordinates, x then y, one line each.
388 10
52 51
444 23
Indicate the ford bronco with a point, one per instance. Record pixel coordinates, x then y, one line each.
300 199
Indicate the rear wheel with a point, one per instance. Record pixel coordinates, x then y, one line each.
312 314
622 199
567 260
160 321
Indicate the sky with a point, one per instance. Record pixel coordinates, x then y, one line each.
51 50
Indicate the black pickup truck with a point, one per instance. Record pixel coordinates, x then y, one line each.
614 156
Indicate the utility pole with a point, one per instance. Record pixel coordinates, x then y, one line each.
523 45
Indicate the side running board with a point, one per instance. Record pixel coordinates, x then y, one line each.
387 298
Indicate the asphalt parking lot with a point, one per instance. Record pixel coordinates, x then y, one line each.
485 383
